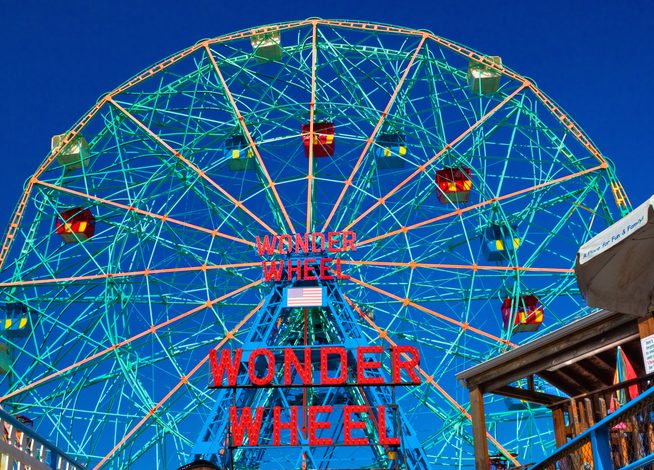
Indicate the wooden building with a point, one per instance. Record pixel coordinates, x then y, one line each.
578 359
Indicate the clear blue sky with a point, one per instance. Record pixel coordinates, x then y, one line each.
594 58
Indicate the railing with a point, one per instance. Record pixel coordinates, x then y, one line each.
22 447
624 439
575 415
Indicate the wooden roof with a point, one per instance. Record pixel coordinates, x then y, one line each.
576 359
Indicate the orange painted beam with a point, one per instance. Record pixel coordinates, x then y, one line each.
163 218
429 378
260 30
113 347
348 182
409 302
449 146
460 211
312 116
183 380
14 224
251 141
471 267
145 273
238 204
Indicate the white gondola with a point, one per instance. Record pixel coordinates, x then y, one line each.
267 46
483 79
75 154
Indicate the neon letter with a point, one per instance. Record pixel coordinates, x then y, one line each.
226 363
314 425
397 352
270 366
303 371
278 425
246 425
363 365
325 379
350 425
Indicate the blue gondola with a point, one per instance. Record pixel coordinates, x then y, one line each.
15 319
500 242
241 157
390 149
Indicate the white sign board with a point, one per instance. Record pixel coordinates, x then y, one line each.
617 232
647 345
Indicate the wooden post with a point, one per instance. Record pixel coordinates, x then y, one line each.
575 425
560 432
590 412
478 416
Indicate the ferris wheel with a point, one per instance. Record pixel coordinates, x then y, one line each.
135 248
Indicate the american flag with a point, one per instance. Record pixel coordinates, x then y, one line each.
304 297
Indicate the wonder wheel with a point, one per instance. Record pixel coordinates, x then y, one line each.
133 250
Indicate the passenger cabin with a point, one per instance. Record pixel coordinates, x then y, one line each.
323 139
499 242
483 79
267 46
391 147
75 225
528 313
454 184
15 319
241 156
75 155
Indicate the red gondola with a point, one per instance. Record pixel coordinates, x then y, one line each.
529 313
454 184
75 225
323 139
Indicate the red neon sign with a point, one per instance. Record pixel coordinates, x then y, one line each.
263 367
309 268
294 367
246 425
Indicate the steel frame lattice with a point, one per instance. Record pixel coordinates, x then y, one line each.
113 365
276 326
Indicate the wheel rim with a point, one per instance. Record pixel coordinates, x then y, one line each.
176 226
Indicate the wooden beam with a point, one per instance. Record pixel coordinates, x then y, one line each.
581 330
527 395
602 363
571 386
478 419
605 390
583 371
555 355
